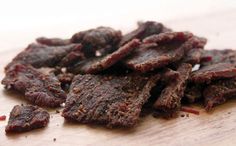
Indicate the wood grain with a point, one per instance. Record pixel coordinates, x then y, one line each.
216 128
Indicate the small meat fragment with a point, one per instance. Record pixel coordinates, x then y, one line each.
193 56
212 72
218 92
103 39
169 102
110 100
193 93
144 30
218 56
190 110
39 55
26 118
2 118
65 79
38 88
53 41
98 64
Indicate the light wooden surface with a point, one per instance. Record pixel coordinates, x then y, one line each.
217 128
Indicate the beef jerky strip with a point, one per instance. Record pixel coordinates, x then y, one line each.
144 30
218 92
193 56
168 75
147 58
110 100
53 41
98 64
169 102
212 72
26 118
38 88
72 57
39 55
104 39
218 56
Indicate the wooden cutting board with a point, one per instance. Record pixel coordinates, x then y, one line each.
216 128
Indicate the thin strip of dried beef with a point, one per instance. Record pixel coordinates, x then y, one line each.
107 99
38 88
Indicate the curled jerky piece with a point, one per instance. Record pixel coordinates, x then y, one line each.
26 118
104 39
212 72
110 100
144 29
39 55
98 64
218 92
39 89
169 102
53 41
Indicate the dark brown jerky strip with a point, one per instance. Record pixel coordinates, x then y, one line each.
39 89
72 57
218 56
193 92
144 29
98 64
169 101
104 39
39 55
212 72
53 41
26 118
218 92
110 100
168 37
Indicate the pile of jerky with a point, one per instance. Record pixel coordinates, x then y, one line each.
105 77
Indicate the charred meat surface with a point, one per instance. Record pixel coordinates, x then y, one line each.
218 92
110 100
169 102
26 118
53 41
212 72
144 30
104 39
39 55
97 64
38 88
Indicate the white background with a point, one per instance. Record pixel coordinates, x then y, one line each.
21 21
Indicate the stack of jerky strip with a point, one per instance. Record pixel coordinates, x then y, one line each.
105 77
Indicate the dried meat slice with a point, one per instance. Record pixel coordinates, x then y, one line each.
97 64
218 56
218 92
26 118
144 29
104 39
212 72
169 102
38 88
110 100
168 75
146 58
39 55
167 37
53 41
